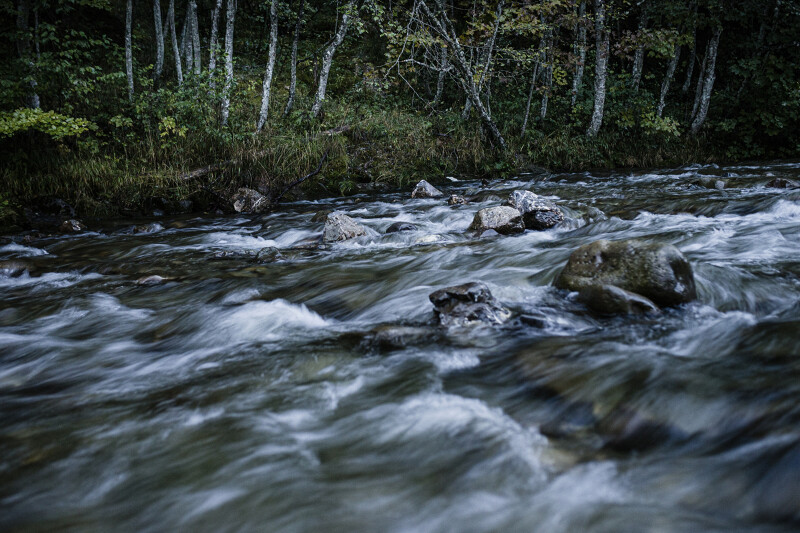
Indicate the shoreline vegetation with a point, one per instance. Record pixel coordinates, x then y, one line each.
111 108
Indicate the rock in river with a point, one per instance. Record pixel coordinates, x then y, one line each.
503 219
249 201
467 304
72 226
401 226
340 227
426 190
456 200
783 183
537 213
658 272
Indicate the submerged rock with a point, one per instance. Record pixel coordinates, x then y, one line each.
456 200
426 190
503 219
72 226
537 213
249 201
270 254
389 338
151 280
148 228
13 268
320 216
340 227
467 304
658 272
783 183
400 226
712 183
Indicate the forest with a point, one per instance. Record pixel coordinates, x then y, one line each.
109 104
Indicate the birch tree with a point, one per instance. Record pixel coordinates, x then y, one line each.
601 67
25 54
580 51
197 56
671 66
230 18
692 51
273 46
129 48
327 58
489 49
293 64
173 34
212 42
708 84
158 25
638 57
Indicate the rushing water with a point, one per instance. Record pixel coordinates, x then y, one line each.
247 394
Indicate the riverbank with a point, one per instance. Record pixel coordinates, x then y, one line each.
198 165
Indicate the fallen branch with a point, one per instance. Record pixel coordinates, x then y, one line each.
298 181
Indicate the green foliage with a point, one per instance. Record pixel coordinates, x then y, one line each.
55 125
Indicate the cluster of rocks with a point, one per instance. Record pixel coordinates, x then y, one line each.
610 277
523 210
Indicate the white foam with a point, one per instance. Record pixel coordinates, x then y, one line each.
22 251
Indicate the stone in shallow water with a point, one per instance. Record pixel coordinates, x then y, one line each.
783 183
658 272
467 304
610 299
340 227
537 213
249 201
151 280
72 226
401 226
456 200
13 268
503 219
426 190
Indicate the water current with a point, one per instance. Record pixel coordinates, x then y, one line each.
312 390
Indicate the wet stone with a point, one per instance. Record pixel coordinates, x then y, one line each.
270 254
340 227
249 201
468 304
151 280
610 299
72 226
426 190
537 213
456 200
502 219
400 226
783 183
13 268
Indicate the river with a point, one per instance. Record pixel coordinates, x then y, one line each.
255 393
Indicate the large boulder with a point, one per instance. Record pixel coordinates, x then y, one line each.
426 190
467 304
249 201
783 183
658 272
504 220
537 213
340 227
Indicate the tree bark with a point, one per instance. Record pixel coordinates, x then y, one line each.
129 48
293 66
530 97
487 64
273 46
212 43
186 40
638 57
673 63
159 29
698 92
693 51
444 67
601 68
25 55
327 59
196 54
226 95
708 85
173 35
580 51
548 73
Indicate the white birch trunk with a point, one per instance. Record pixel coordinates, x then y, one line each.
488 62
25 54
601 68
692 53
580 52
212 42
293 66
548 74
129 48
159 29
273 46
708 85
673 64
173 35
195 39
444 67
698 92
327 59
638 57
530 98
226 95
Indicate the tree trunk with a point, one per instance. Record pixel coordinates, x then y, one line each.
173 35
273 46
580 50
226 96
601 68
198 57
673 63
327 59
530 97
444 67
548 73
698 92
158 24
25 55
186 40
692 53
708 85
293 66
129 48
212 43
638 58
487 64
465 74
